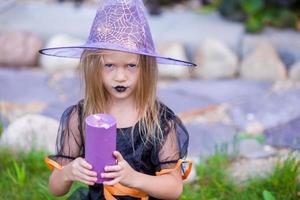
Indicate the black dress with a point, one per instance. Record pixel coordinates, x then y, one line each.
145 157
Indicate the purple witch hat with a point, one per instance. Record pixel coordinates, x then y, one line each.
118 25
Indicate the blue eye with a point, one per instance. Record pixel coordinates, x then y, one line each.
108 65
132 65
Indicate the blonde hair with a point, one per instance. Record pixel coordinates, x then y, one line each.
96 97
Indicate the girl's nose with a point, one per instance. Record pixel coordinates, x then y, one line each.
120 75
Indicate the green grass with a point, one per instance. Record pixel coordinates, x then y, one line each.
24 176
214 182
1 128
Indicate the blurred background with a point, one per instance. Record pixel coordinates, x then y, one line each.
240 104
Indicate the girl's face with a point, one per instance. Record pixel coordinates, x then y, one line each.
120 74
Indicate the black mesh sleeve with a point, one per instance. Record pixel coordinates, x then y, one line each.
69 141
175 142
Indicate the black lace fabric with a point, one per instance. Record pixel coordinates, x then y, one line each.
175 143
70 139
143 157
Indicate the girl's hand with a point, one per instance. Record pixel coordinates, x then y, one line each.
120 173
80 170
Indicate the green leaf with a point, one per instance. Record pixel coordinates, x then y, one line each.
18 174
207 9
252 6
253 24
245 136
260 138
268 195
1 128
285 18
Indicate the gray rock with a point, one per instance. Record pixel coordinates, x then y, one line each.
50 63
25 86
294 73
205 139
70 91
31 131
287 57
179 102
243 169
269 110
176 26
56 109
47 20
3 120
19 49
12 111
215 60
71 87
173 50
217 91
285 134
263 64
252 149
286 42
36 92
5 5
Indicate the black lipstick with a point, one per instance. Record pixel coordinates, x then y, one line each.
120 88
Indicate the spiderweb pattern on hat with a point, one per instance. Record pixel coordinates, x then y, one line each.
118 25
122 24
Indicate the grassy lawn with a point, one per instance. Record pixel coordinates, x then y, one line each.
24 176
214 182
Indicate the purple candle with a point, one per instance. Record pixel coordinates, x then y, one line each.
100 142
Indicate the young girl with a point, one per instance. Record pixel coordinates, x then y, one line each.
119 68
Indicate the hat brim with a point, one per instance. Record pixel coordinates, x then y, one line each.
76 51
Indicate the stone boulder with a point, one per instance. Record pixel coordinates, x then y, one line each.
263 64
31 131
51 63
285 41
174 50
252 149
215 61
19 49
294 73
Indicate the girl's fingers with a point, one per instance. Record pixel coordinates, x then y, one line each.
112 182
85 178
112 168
85 164
118 156
88 172
79 170
110 175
